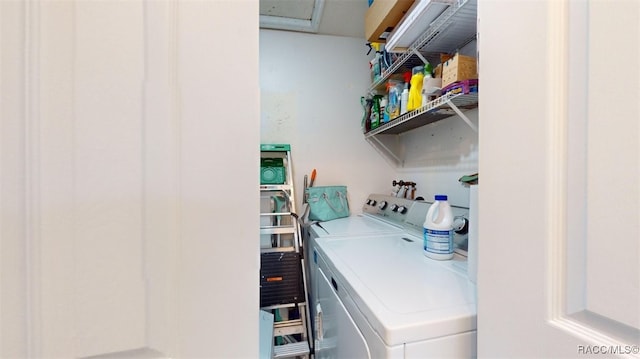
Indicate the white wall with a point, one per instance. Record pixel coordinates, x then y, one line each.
438 154
311 87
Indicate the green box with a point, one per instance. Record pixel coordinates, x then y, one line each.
275 147
272 171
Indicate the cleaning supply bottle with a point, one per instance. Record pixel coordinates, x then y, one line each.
375 112
425 84
366 114
393 107
385 59
384 111
415 92
438 230
404 97
376 68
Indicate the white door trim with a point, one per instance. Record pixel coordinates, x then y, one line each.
32 176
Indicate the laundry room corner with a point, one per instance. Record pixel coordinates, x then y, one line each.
438 155
310 98
311 86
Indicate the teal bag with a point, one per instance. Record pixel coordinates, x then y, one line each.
327 203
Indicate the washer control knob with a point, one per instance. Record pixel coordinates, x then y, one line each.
402 209
373 202
394 207
382 205
460 225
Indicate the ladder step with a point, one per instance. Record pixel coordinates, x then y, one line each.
276 187
278 230
271 214
288 327
291 350
277 249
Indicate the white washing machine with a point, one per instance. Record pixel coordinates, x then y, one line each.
378 296
381 214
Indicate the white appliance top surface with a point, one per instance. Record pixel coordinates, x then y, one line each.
380 215
354 225
404 295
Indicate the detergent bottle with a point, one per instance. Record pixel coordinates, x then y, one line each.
415 92
393 107
375 112
425 83
438 230
384 110
404 97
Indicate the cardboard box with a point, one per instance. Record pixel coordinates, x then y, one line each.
459 68
382 16
437 72
445 57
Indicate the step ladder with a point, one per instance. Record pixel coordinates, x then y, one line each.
283 282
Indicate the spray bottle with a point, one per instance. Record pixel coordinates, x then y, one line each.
376 70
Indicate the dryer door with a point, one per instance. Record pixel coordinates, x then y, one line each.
336 334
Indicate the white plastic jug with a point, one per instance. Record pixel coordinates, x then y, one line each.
438 230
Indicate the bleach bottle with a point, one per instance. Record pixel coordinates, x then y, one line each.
438 230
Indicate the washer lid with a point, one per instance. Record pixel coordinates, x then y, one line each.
357 225
404 295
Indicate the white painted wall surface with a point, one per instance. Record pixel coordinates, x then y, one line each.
310 89
438 154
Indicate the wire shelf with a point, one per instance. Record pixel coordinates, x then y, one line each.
454 28
435 110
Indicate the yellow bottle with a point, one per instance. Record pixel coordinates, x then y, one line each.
415 92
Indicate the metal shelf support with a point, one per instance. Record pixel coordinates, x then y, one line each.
462 116
426 112
387 150
415 52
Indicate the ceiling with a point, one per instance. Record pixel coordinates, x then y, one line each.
327 17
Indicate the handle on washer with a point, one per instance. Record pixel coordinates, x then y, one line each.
319 329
